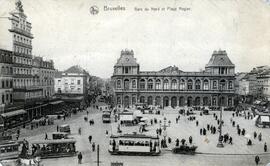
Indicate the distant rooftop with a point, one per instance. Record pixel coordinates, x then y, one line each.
127 59
220 58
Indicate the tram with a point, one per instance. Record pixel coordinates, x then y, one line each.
106 117
54 148
134 144
9 150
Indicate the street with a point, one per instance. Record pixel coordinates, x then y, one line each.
237 154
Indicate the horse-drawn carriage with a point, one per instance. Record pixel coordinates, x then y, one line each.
185 149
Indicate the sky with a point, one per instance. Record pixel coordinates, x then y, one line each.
66 32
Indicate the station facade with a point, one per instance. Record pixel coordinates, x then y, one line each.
171 87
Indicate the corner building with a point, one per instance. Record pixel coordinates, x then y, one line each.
171 87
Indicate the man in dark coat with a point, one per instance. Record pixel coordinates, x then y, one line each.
80 158
257 159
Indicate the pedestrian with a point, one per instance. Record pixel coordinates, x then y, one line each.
238 131
80 158
169 140
190 140
57 128
80 131
243 132
208 127
177 142
106 132
46 136
93 146
204 131
230 140
90 138
197 123
260 137
255 134
265 147
200 131
257 159
183 141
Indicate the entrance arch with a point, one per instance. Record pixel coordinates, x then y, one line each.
174 101
142 99
158 100
189 101
205 101
197 101
126 101
166 101
150 100
181 101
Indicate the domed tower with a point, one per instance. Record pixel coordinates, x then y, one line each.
126 64
222 81
220 64
125 77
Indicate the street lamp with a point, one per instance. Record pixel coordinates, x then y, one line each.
220 144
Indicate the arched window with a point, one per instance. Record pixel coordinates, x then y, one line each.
134 85
126 84
142 99
150 84
174 84
230 85
158 84
142 84
166 84
190 84
182 84
197 84
118 84
205 85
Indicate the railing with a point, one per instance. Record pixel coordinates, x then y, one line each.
23 32
22 44
27 88
174 74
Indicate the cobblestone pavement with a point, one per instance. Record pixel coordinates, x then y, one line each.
243 154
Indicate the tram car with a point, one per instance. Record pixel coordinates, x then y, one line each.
54 148
9 150
134 144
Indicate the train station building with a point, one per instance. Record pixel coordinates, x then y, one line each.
172 87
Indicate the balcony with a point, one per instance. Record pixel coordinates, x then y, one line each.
26 88
22 44
22 32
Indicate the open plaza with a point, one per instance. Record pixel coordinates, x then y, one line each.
207 153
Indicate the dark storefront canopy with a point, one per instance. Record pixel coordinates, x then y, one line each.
13 113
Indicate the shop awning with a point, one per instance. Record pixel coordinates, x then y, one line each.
77 98
13 113
265 119
56 102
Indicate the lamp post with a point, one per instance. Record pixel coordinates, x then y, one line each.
220 144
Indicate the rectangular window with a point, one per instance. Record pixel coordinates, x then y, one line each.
3 99
126 70
78 82
214 85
